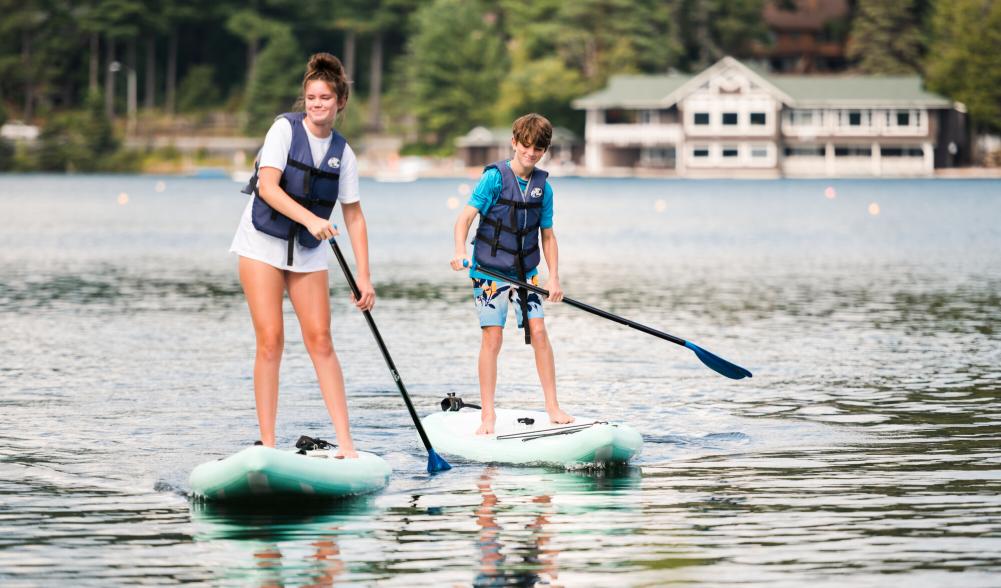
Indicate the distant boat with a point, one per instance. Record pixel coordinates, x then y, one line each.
396 177
406 169
241 176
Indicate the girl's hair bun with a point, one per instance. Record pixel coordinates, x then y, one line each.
326 67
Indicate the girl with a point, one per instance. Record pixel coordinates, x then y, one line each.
304 168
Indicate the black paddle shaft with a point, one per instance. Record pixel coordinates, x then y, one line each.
382 346
585 307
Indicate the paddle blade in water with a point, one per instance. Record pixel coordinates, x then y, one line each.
718 364
436 463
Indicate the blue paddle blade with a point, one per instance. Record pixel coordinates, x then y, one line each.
436 463
718 364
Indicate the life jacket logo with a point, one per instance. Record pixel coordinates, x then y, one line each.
334 162
537 192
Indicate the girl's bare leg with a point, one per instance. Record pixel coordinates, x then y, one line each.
310 295
264 286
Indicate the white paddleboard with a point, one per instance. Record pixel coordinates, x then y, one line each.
533 439
262 472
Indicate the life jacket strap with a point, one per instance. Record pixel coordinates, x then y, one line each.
517 253
293 232
519 203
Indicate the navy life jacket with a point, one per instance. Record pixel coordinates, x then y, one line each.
507 238
313 187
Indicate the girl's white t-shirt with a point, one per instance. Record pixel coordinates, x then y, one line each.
249 242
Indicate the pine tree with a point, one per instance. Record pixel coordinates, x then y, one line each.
886 37
963 57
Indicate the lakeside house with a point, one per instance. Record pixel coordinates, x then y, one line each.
734 120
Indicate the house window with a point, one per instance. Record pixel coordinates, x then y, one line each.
729 118
757 118
648 117
903 118
620 116
759 151
701 118
700 151
730 151
852 151
854 118
805 151
903 151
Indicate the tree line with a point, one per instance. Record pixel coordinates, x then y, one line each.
428 70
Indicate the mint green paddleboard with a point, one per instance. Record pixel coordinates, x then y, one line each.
526 437
260 472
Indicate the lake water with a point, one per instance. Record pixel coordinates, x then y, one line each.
865 451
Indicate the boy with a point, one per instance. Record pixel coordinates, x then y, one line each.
515 204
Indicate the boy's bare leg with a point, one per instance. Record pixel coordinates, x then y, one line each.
489 349
546 366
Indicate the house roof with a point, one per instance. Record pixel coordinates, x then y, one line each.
807 15
858 91
635 91
662 91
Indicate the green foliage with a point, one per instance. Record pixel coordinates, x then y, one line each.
456 60
78 140
546 86
7 153
963 57
274 90
199 90
711 29
886 37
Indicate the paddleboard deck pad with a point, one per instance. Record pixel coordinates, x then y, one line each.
525 437
261 472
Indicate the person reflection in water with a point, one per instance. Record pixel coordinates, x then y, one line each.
325 565
537 565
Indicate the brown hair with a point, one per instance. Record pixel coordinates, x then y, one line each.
533 129
327 68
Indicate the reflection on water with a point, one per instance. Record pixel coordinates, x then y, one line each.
280 544
865 447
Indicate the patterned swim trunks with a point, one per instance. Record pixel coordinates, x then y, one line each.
492 298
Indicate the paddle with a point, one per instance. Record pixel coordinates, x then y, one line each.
712 361
435 462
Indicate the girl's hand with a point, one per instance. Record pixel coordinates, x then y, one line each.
457 262
367 300
321 228
555 290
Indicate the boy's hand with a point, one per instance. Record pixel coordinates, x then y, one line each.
555 290
460 261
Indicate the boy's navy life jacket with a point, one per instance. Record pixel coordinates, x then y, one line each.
313 187
507 238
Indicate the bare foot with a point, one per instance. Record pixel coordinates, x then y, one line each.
348 453
487 424
558 417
